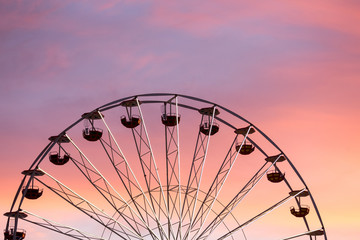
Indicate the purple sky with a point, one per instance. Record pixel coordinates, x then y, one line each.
290 67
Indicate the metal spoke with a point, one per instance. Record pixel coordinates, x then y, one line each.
149 167
316 232
236 200
125 173
141 207
107 191
218 183
87 207
65 230
276 205
172 150
196 171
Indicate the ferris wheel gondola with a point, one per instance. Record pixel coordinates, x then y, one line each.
179 196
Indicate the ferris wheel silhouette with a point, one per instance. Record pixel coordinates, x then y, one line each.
164 166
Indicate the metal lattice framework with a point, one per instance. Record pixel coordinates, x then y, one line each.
176 189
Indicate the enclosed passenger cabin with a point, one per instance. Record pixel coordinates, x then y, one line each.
19 234
32 192
56 157
301 210
91 133
10 232
205 126
169 116
131 120
275 176
170 120
246 148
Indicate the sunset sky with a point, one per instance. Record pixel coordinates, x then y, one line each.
290 67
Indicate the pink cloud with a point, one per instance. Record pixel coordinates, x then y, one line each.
55 59
304 96
334 15
25 14
108 4
204 19
194 18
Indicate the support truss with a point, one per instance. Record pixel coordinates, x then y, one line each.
173 180
144 208
128 178
217 184
258 216
196 171
236 200
88 208
316 232
56 227
150 170
108 192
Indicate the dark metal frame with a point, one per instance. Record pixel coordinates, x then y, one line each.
133 217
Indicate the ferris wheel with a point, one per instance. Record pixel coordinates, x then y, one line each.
167 167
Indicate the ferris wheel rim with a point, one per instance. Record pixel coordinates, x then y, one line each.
115 103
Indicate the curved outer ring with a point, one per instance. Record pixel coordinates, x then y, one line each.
116 103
